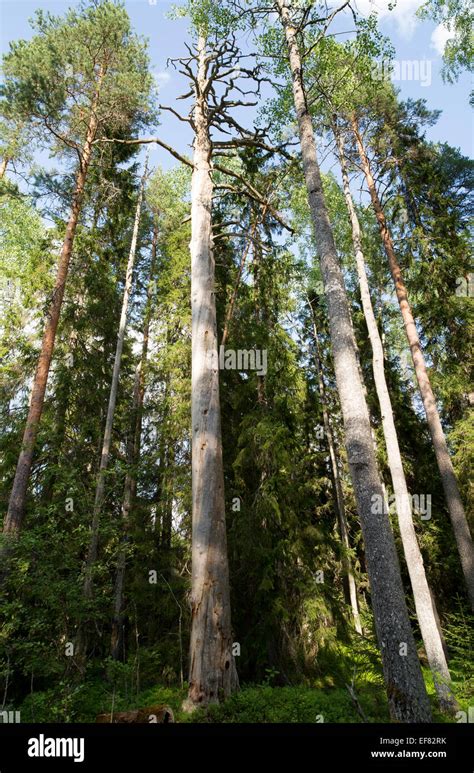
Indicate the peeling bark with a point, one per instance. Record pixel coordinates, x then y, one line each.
212 671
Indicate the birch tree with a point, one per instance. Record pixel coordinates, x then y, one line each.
424 603
133 452
440 446
107 437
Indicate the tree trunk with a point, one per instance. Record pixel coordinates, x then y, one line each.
341 510
448 477
133 453
406 691
61 411
16 507
261 310
167 503
107 439
230 309
424 603
3 166
212 673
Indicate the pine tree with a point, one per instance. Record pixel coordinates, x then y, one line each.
36 93
403 677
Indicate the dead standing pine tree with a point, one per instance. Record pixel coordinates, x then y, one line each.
216 76
424 602
217 80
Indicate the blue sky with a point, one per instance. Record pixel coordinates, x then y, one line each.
412 39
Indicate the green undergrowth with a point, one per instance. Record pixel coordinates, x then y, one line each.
325 696
261 703
251 704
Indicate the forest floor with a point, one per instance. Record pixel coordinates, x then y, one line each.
320 701
342 682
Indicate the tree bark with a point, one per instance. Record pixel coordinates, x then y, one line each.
230 309
408 700
16 508
261 310
448 477
3 166
424 603
61 411
212 672
107 439
133 454
341 510
167 502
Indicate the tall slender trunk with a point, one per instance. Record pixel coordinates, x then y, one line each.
448 477
160 492
61 410
107 439
3 166
133 453
424 603
261 310
167 503
16 508
212 672
245 253
341 510
408 700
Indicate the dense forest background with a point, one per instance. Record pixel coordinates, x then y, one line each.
236 401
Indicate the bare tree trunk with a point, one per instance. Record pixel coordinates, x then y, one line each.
16 508
424 603
3 166
408 700
448 477
167 503
107 439
341 510
212 672
230 309
133 454
117 649
261 309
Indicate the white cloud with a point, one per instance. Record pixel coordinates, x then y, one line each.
403 15
439 38
162 77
